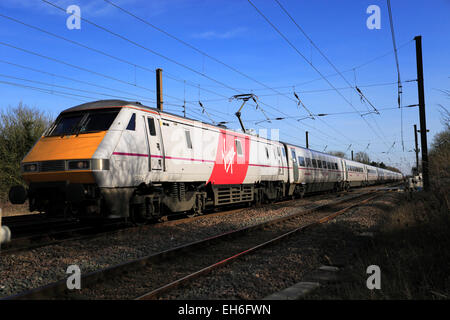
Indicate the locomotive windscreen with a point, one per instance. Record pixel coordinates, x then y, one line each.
83 122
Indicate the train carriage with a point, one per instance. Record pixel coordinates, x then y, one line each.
114 158
372 175
313 171
123 156
356 175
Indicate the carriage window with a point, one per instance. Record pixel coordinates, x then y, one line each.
328 165
308 162
335 166
314 162
151 126
294 156
319 163
324 164
284 152
188 139
301 161
132 124
238 147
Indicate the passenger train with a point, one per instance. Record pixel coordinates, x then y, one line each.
113 158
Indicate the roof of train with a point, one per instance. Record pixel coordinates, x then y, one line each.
119 103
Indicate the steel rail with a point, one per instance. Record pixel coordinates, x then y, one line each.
164 289
59 288
18 244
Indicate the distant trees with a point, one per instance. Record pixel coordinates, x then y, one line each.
393 169
339 154
362 157
20 128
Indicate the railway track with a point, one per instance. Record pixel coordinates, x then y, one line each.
273 238
35 231
174 267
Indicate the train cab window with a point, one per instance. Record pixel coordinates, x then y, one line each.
151 126
284 152
267 153
301 161
132 124
238 147
188 139
314 162
78 123
308 162
279 153
97 121
65 125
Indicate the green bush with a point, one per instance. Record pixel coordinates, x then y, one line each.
20 128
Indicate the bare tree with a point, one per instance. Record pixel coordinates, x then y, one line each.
362 157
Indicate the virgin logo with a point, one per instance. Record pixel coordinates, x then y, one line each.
227 169
227 158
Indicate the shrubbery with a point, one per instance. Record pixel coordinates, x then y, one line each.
20 128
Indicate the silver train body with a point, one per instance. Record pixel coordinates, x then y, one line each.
115 158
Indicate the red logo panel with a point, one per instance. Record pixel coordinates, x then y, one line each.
231 165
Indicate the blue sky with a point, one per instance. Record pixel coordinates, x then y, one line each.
233 32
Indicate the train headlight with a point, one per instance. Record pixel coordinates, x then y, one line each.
79 165
30 167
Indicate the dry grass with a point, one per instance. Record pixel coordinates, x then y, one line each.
411 249
411 246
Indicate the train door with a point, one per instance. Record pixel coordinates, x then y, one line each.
155 145
294 164
344 170
280 161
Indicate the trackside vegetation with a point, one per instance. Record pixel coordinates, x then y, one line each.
20 128
411 246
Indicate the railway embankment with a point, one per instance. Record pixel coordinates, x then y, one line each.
409 245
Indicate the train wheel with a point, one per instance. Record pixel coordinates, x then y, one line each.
137 215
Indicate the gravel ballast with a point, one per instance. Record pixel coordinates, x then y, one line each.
37 267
